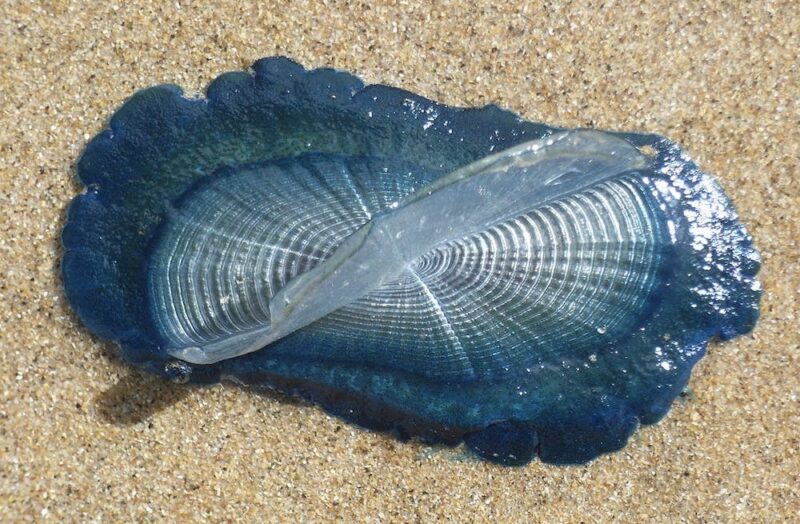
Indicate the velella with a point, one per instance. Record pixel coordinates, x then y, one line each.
452 275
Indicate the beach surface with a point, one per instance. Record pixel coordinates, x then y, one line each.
85 438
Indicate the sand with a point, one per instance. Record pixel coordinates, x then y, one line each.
85 438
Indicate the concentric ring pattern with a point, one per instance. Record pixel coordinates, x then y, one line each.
570 273
240 236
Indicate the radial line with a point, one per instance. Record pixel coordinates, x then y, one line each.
448 327
345 170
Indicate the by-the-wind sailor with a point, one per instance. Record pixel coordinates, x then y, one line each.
448 274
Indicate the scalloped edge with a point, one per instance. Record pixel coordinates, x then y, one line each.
94 167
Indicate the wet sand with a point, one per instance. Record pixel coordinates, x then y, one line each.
84 438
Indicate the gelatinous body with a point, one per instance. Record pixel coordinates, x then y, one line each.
449 274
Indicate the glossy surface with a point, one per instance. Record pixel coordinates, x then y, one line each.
522 321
